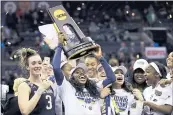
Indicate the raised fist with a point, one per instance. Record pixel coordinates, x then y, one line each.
98 52
61 38
45 84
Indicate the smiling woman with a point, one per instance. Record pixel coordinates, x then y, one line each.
120 100
157 98
34 92
80 92
92 63
139 81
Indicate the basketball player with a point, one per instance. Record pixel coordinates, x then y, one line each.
79 94
158 100
120 99
35 97
138 78
92 62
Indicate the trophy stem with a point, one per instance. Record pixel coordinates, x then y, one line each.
56 28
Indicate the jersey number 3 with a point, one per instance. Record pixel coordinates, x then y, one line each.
49 106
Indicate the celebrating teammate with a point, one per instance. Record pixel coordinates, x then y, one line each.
120 100
79 94
92 62
35 97
158 100
139 81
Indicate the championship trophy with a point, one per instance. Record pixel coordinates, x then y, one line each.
76 44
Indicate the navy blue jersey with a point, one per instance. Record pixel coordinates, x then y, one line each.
46 104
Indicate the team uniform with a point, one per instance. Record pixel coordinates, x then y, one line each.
46 104
123 103
78 103
159 96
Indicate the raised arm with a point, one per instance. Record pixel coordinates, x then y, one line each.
59 77
56 65
109 73
108 70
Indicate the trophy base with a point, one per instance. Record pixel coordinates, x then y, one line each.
80 50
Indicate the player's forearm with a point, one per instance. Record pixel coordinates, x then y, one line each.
109 73
31 104
166 109
56 65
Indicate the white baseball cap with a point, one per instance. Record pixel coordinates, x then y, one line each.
140 63
121 68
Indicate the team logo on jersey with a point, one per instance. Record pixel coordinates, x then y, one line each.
85 97
158 93
122 102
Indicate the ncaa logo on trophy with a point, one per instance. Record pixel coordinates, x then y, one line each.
77 44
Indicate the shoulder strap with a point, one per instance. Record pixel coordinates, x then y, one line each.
29 83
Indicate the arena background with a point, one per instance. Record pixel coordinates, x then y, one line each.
126 31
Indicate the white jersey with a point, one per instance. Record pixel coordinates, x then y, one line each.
171 88
159 96
78 103
123 101
147 93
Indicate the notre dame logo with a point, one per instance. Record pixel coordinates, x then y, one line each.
60 14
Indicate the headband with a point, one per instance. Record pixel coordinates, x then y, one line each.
156 68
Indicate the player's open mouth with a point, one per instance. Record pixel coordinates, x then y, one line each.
82 78
120 79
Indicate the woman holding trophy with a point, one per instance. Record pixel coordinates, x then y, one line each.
80 95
